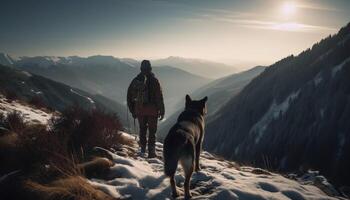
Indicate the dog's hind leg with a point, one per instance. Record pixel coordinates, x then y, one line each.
198 153
173 186
188 167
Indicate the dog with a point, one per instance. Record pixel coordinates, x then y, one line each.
184 143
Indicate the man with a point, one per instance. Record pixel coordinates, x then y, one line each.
145 102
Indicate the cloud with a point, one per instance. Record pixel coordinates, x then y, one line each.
315 7
277 26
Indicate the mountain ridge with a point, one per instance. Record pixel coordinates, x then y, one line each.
292 109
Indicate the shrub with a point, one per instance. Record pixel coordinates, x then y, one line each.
84 130
2 120
14 121
10 95
37 102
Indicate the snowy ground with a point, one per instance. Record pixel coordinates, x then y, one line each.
142 178
31 115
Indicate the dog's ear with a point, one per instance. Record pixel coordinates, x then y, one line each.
188 98
205 99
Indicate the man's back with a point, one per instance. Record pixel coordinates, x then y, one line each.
145 102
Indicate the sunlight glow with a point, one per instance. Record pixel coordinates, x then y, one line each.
289 8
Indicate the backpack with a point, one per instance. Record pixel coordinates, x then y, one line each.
140 91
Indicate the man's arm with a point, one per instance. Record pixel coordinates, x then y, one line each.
130 99
160 100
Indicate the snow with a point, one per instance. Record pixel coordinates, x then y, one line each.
88 98
7 57
339 67
30 114
53 59
142 178
322 112
27 73
318 79
36 92
341 137
273 113
4 177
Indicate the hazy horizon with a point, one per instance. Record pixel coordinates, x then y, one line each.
238 33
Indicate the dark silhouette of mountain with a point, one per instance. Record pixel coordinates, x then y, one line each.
109 76
295 115
26 86
205 68
219 92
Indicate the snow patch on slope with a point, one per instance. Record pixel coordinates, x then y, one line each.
88 98
318 79
273 113
339 67
27 73
30 114
140 178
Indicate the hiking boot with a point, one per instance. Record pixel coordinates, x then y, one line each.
143 150
152 153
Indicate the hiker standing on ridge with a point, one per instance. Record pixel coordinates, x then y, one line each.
145 102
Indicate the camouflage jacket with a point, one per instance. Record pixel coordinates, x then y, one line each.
145 96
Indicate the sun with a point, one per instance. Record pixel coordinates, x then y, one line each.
289 8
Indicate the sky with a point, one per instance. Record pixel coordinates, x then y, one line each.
237 32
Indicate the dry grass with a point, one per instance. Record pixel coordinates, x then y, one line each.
98 167
49 158
71 187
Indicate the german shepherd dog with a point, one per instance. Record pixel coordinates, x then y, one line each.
184 143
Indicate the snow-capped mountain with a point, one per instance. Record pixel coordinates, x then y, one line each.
293 116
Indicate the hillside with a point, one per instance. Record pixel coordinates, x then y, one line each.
219 92
28 87
109 76
293 116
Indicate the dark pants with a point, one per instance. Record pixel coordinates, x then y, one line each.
148 123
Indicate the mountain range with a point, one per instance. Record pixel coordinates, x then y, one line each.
108 76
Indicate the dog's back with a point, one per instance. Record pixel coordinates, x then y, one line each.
179 144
